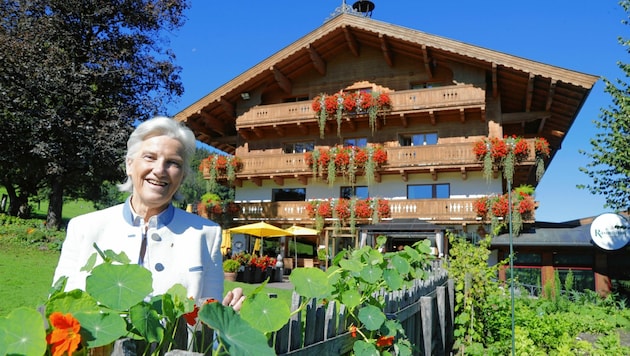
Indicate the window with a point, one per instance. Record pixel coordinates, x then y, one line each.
421 139
360 192
357 142
298 147
429 191
288 194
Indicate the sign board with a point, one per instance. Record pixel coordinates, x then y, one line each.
610 231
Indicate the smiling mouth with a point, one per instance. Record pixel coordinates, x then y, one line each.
155 182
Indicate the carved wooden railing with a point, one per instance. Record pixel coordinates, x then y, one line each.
456 96
434 210
398 158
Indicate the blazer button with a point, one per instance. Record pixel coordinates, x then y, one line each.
155 237
159 267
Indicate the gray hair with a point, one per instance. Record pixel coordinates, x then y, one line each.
160 126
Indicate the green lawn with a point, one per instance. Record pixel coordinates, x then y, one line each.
26 276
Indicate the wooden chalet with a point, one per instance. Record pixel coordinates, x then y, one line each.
445 96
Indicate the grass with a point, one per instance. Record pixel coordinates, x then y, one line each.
26 274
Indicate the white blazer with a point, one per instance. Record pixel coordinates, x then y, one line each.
182 248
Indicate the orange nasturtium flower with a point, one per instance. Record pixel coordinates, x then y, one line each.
191 317
65 335
385 341
353 330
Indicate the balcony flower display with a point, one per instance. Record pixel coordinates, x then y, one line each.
342 103
345 212
542 150
508 152
220 165
497 208
347 161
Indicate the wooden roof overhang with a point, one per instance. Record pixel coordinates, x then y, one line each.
531 93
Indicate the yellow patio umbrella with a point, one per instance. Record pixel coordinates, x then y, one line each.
260 229
300 231
226 241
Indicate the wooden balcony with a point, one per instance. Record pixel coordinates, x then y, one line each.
439 211
400 160
431 99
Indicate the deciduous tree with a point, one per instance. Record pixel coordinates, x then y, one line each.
610 157
75 76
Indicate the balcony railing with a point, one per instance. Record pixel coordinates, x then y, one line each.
409 157
433 210
457 96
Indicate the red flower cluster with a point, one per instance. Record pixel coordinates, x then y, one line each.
498 148
262 262
541 147
352 102
220 162
341 156
363 208
499 206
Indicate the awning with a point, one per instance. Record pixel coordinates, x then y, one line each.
566 237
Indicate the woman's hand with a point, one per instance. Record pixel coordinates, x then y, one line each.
234 299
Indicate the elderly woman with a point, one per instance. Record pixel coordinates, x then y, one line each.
176 246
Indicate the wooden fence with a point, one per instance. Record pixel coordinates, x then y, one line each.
426 312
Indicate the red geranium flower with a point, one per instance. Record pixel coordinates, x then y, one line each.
360 156
350 102
65 335
481 206
480 149
521 149
363 209
384 101
500 206
380 155
342 209
541 146
498 148
316 105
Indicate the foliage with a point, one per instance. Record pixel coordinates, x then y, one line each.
338 105
507 152
345 212
118 303
194 186
231 265
609 166
477 304
76 76
347 161
496 208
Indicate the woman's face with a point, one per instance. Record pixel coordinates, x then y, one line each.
156 172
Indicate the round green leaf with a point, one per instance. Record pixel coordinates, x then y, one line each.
310 282
99 329
72 302
363 348
371 274
393 279
351 298
372 317
351 265
264 313
22 333
147 322
119 286
400 264
234 333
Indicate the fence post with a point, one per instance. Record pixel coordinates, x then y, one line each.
426 307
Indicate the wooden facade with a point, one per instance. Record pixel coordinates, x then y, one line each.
455 92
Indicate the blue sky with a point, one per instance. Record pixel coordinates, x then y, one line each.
222 39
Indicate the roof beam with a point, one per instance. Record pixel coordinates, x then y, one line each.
530 92
552 91
387 54
282 80
279 130
517 117
427 62
317 60
212 123
353 45
495 84
227 107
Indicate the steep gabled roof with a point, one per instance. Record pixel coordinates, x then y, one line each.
524 86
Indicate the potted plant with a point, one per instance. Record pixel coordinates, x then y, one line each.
230 268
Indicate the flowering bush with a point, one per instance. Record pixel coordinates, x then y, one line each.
347 160
494 207
339 104
341 211
508 152
219 165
